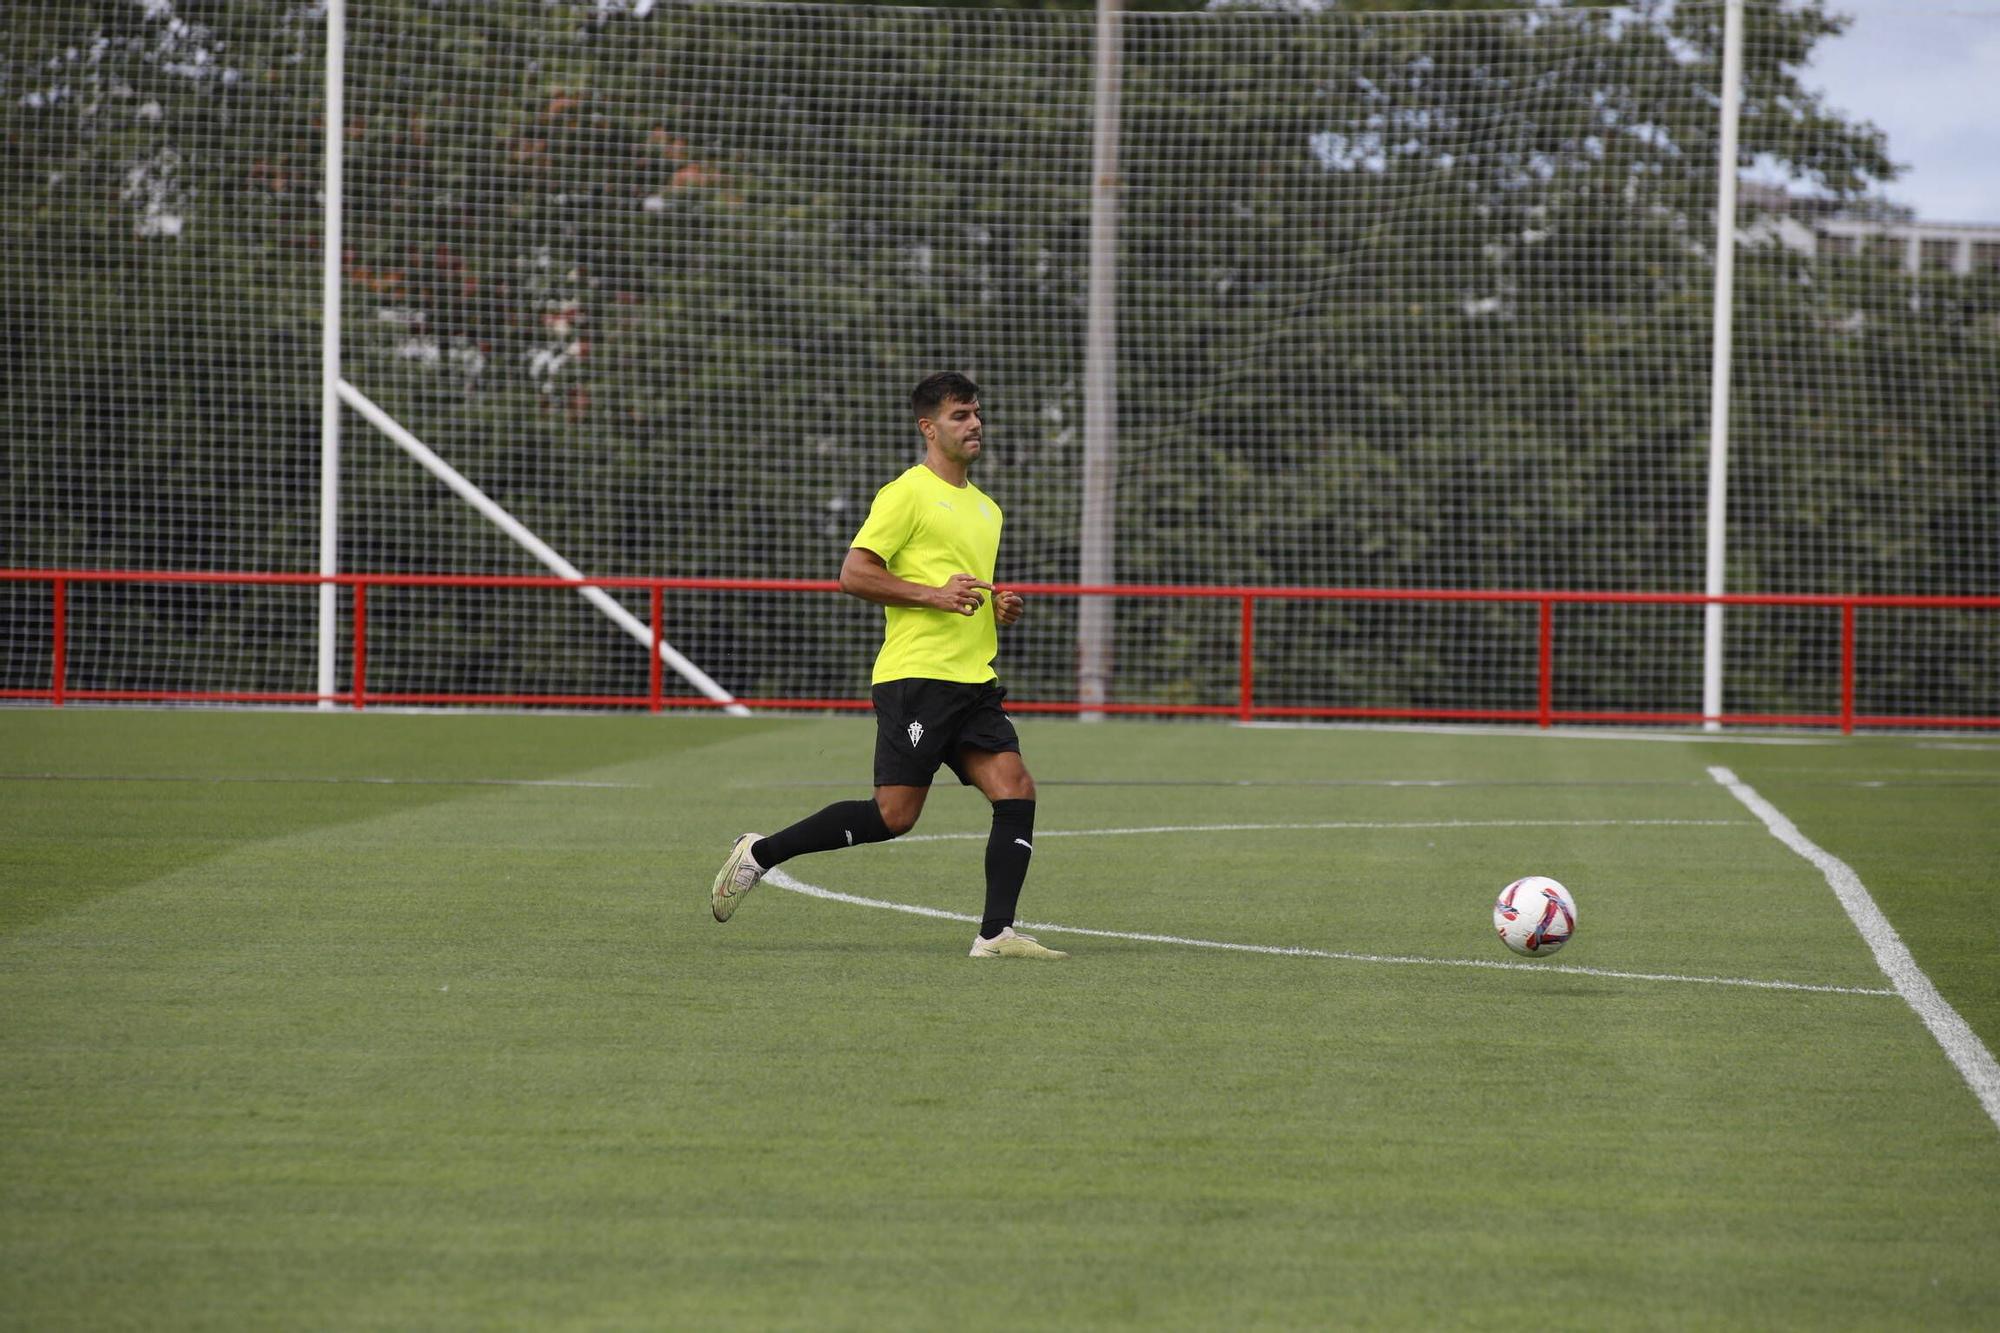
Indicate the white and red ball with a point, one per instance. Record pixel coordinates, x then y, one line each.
1535 916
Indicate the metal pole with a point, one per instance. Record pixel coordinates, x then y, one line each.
329 349
1545 703
59 610
1718 402
1097 536
1246 663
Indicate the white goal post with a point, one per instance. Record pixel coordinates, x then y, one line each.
1096 537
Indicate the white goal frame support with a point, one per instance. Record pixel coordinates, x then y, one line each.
535 546
334 390
1718 399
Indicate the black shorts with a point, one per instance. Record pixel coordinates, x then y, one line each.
920 724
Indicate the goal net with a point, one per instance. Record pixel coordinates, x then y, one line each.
1406 301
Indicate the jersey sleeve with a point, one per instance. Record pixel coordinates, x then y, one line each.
891 520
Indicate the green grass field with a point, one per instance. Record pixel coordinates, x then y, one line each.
405 1022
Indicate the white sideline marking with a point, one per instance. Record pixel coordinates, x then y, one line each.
1960 1042
779 879
1349 824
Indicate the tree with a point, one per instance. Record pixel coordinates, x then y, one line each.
1410 300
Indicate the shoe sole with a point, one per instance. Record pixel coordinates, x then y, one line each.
723 905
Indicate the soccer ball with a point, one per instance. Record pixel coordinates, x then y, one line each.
1535 916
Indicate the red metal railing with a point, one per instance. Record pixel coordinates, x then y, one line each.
1244 708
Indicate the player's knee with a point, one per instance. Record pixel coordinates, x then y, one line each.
1012 787
897 817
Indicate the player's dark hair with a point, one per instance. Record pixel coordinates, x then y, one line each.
934 391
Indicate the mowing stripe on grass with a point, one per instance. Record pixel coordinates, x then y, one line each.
1368 782
1566 733
1960 1042
1536 783
779 879
1348 824
336 782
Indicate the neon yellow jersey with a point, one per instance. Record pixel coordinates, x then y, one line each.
926 529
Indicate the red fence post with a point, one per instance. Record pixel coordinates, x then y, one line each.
1246 669
1847 667
653 672
1546 701
62 642
360 646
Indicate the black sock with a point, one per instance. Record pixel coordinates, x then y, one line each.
1008 848
842 824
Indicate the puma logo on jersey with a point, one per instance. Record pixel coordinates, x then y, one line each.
916 733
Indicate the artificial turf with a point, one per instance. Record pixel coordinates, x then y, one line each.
394 1021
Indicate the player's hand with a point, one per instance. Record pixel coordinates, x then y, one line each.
960 593
1007 605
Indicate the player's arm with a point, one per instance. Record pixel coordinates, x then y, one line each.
866 575
1007 605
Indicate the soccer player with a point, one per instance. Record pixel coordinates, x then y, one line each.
926 555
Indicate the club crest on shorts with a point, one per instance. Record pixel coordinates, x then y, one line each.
916 733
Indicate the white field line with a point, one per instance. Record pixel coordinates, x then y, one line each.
779 879
1961 1044
1347 824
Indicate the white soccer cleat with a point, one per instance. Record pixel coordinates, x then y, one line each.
739 875
1007 944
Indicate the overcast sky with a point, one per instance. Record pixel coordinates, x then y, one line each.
1927 72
